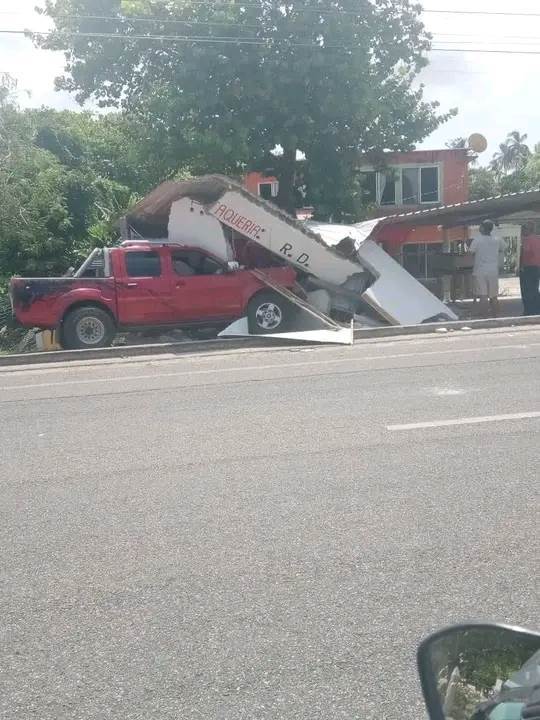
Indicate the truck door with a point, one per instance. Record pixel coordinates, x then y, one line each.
144 288
203 290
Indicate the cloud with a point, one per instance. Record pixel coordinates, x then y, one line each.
34 69
492 91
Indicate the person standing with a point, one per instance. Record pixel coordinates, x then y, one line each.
529 274
488 251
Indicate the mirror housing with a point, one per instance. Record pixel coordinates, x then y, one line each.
481 672
233 266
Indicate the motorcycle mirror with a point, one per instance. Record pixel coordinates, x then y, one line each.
481 672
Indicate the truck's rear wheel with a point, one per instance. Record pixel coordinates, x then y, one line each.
87 327
269 312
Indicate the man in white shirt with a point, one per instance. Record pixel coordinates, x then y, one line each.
488 251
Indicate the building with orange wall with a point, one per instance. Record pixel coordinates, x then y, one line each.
414 181
406 182
266 186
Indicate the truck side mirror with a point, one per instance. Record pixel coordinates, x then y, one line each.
480 672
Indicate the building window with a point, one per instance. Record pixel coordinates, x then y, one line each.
417 259
368 182
268 190
409 186
418 185
429 185
143 264
388 188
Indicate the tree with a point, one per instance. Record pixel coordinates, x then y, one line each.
513 154
513 169
484 183
109 145
8 84
459 143
62 186
231 81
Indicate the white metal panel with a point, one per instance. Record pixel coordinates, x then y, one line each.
344 336
255 221
334 234
396 294
189 224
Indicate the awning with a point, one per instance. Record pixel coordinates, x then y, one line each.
468 213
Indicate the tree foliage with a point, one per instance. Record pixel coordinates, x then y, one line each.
65 178
483 183
328 80
512 156
514 168
458 143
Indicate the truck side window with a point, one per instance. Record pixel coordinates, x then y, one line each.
181 264
143 264
209 266
191 262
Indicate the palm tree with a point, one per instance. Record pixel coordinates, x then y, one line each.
513 154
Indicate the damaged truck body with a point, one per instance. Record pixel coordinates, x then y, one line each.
207 253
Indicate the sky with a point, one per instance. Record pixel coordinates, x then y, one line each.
494 93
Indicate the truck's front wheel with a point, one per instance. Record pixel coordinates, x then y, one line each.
268 312
87 327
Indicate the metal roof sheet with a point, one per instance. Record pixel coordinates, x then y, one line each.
469 212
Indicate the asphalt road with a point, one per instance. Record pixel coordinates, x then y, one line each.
262 534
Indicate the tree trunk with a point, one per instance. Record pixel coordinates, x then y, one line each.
286 198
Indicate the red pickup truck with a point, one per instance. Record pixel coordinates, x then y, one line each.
147 285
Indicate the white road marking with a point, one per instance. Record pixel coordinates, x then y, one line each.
447 392
463 421
281 366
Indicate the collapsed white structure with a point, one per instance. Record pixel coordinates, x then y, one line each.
212 211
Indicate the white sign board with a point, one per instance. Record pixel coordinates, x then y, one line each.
272 232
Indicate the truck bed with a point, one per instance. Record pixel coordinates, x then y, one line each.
35 301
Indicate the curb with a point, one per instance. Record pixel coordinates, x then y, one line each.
208 346
490 324
125 351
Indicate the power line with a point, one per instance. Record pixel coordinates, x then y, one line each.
260 41
482 12
244 41
481 50
258 6
215 4
485 36
159 21
176 38
535 42
455 72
